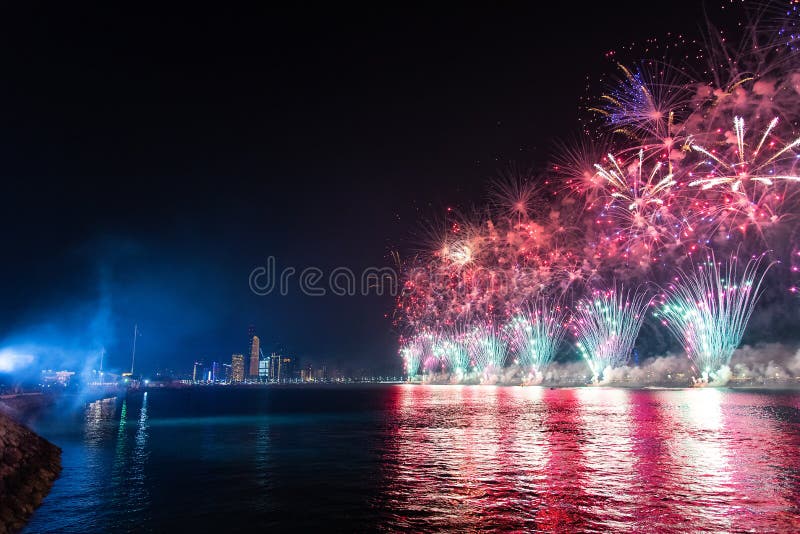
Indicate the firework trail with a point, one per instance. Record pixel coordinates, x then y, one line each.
642 105
575 167
639 204
707 309
488 350
412 354
745 179
747 167
534 336
452 349
606 326
515 195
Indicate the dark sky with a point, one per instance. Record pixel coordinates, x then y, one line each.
150 159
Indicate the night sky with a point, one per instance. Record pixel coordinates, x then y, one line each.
151 159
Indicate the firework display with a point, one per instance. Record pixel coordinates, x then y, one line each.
534 335
708 308
606 324
673 168
488 348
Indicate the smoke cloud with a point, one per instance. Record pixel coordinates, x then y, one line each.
761 365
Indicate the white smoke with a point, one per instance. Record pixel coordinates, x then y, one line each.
767 362
763 364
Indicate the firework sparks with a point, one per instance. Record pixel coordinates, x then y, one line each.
749 166
535 334
606 325
488 350
639 204
707 309
453 352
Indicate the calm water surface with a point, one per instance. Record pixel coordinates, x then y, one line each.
426 458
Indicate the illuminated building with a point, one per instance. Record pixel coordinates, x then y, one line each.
321 373
197 371
254 351
251 333
287 368
237 368
215 372
61 378
307 373
274 367
263 370
281 368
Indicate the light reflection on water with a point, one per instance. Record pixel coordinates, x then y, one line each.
427 458
593 458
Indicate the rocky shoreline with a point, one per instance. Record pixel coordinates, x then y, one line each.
29 464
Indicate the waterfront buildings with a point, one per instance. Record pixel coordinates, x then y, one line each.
281 368
254 352
237 368
197 371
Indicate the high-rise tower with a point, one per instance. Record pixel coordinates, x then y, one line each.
254 352
237 368
274 367
197 371
251 333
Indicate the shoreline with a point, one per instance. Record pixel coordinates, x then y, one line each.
29 464
641 387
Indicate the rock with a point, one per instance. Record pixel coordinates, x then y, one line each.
29 465
12 456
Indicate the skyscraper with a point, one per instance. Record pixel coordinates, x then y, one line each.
237 368
287 368
306 373
215 372
281 368
254 352
274 367
251 333
263 370
197 371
